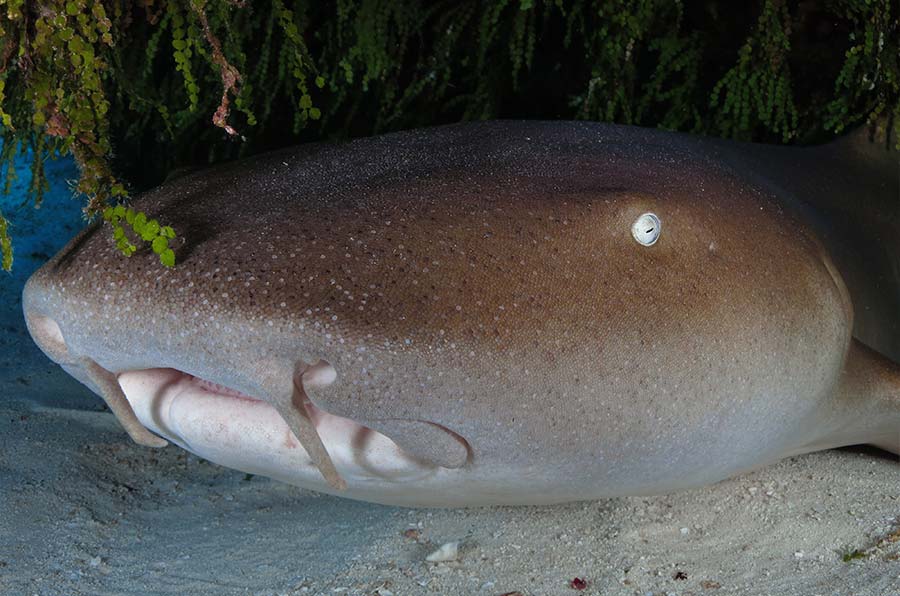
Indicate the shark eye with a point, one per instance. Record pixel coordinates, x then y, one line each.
646 229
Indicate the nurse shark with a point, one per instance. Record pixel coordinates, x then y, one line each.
499 312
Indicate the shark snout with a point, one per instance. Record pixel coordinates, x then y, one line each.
37 302
48 335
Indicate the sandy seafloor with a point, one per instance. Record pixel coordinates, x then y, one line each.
85 511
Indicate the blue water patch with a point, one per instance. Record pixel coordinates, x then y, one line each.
37 234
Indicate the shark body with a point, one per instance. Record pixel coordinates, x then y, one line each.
502 312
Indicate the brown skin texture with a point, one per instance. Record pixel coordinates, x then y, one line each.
478 292
848 193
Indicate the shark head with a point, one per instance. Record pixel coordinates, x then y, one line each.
488 313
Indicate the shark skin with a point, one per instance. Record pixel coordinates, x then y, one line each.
489 313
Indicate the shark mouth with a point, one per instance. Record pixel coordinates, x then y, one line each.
225 425
240 431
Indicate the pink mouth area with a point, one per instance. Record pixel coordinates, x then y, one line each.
239 431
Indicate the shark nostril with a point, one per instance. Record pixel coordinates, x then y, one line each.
320 374
48 336
425 441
